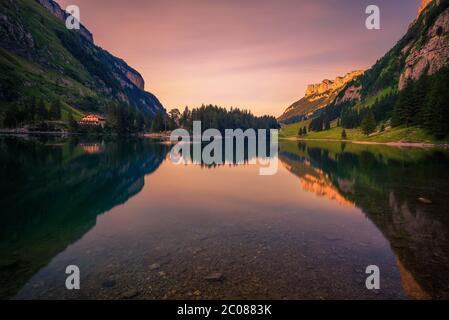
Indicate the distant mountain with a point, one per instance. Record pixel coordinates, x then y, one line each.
40 57
317 97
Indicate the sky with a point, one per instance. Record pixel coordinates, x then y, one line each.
253 54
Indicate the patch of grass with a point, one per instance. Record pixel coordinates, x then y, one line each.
369 101
397 134
404 134
291 130
65 112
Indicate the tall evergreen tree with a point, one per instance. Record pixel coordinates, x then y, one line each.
41 110
55 110
73 124
368 124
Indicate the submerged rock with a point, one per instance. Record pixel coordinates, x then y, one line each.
425 201
155 266
215 276
108 283
129 294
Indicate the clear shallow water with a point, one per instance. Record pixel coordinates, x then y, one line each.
140 227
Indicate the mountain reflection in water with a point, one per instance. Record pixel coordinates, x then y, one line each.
191 219
386 183
52 192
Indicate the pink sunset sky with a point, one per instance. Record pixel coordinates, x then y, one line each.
253 54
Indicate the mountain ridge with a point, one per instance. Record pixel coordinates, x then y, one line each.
40 57
317 96
56 9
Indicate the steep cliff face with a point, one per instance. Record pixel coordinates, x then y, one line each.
429 53
54 8
62 62
125 71
424 4
317 96
423 50
129 73
327 86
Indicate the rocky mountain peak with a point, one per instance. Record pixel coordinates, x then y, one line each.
428 54
424 4
331 85
125 75
56 10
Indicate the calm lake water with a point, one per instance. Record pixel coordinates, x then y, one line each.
140 227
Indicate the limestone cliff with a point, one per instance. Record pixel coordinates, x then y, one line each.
424 4
317 96
331 85
429 53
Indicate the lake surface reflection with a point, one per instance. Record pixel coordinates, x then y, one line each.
140 227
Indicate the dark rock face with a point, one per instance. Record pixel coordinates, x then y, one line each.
54 8
68 206
71 54
131 82
14 36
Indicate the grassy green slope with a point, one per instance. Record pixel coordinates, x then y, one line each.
41 58
397 134
52 71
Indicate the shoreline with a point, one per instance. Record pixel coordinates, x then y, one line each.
398 144
166 137
159 135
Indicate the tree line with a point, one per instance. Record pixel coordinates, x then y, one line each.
423 103
31 111
124 119
212 117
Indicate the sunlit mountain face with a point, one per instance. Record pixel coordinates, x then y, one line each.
316 181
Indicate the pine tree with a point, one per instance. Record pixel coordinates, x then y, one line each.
41 110
140 122
368 123
437 107
158 123
55 110
73 124
407 107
